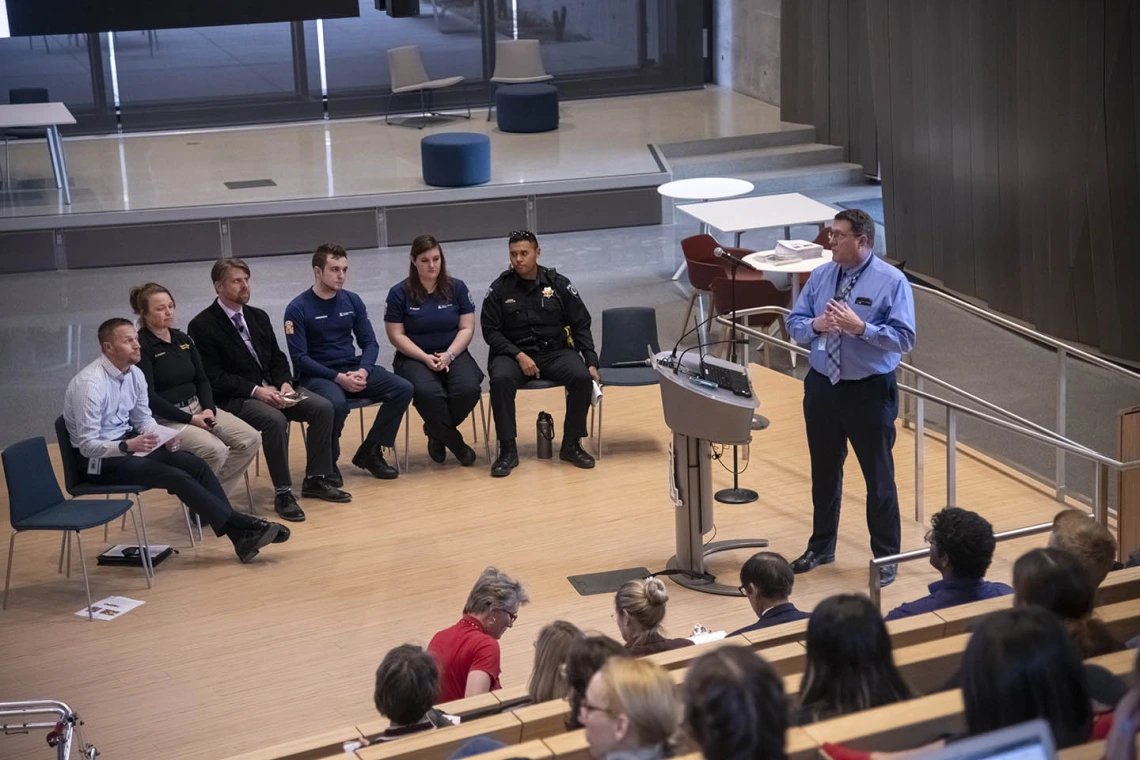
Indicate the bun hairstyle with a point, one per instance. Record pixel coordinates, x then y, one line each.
140 295
644 601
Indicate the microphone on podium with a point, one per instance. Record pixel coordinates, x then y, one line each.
720 253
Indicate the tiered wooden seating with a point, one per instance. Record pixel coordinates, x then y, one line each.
928 649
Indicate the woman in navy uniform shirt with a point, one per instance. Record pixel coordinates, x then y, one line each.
430 319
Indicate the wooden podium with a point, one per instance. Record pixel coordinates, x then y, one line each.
1128 484
699 414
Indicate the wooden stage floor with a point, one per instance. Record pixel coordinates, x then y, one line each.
224 657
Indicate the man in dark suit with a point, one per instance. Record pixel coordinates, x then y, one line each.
251 379
766 580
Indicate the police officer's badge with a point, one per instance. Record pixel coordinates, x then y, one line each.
547 292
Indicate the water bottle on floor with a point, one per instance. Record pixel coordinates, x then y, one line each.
544 435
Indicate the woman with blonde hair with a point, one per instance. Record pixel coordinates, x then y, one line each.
631 711
179 393
548 679
639 608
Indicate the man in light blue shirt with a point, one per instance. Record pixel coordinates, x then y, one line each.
109 421
857 315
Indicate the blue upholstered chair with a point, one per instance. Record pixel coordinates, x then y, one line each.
527 107
36 503
456 159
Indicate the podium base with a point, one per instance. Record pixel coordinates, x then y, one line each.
759 422
720 589
736 495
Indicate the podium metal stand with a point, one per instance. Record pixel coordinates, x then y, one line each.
699 414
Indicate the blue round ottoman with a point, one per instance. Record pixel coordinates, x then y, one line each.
456 159
527 107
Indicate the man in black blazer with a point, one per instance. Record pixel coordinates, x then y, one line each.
766 580
251 379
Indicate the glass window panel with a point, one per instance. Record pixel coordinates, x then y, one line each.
57 62
212 62
446 31
580 35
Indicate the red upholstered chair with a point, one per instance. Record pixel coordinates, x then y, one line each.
750 293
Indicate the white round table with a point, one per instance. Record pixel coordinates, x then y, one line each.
703 189
761 261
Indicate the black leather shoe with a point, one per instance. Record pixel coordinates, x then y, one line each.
320 488
368 457
809 560
573 453
508 460
248 542
336 480
287 507
283 533
437 451
466 456
887 575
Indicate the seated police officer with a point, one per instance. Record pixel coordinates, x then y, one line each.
537 327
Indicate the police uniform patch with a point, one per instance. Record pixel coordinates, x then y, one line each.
288 327
572 289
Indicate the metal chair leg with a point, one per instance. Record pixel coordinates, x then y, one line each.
248 492
138 537
407 436
189 526
8 576
86 582
67 544
389 111
486 428
361 410
62 539
145 537
601 409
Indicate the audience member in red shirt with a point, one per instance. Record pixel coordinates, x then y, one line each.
468 652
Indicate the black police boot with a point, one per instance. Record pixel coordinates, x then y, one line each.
507 461
370 457
573 453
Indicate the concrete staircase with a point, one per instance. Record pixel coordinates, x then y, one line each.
785 161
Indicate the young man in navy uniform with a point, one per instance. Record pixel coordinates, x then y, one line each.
537 327
319 328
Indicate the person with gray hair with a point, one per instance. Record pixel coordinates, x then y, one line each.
468 652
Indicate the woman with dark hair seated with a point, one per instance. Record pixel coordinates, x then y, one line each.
1060 582
430 319
850 665
406 684
1020 665
735 708
585 658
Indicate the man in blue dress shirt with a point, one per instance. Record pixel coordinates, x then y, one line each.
961 548
857 315
319 328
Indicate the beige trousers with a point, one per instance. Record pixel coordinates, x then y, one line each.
227 449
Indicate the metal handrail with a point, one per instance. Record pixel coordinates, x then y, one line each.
1028 332
875 591
1061 444
66 719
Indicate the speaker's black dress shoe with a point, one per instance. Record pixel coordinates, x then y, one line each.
336 480
248 542
809 560
887 575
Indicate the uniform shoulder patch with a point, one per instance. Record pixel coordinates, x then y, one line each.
288 327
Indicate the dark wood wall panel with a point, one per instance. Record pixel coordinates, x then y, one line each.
1008 137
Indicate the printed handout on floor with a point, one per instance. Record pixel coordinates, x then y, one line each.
111 607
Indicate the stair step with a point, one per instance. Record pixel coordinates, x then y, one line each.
803 178
734 163
788 134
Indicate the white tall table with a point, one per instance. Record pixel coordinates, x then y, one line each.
761 261
49 116
740 215
703 189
